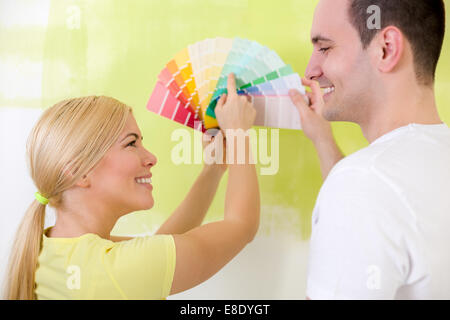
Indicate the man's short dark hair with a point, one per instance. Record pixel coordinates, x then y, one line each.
421 21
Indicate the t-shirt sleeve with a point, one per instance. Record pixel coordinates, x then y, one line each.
142 268
357 247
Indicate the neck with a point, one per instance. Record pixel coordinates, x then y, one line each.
82 218
400 106
70 226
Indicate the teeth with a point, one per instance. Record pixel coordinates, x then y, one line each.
328 90
144 180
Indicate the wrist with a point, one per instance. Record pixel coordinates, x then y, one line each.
325 137
214 169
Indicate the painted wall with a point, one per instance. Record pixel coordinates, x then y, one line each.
51 50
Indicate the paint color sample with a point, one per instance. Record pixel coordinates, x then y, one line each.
282 82
197 76
164 103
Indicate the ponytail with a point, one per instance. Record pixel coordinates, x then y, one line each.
24 254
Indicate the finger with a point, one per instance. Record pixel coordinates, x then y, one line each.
243 98
231 84
315 88
299 101
249 98
307 82
313 98
222 100
309 98
297 97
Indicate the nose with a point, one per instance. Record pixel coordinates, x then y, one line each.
313 70
149 159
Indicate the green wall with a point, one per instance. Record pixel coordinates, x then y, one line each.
117 48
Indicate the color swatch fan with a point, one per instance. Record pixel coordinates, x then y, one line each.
189 86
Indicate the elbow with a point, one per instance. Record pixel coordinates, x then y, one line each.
252 236
246 230
253 228
246 222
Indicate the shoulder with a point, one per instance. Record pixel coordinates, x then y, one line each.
355 172
361 161
391 166
151 243
400 148
357 190
90 247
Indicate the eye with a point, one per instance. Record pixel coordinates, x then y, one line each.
132 143
323 50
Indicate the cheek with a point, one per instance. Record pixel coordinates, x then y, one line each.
123 169
362 74
335 68
347 70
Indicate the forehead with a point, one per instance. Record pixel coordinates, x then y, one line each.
131 126
131 123
331 20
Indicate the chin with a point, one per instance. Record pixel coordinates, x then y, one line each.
150 204
328 114
332 113
143 204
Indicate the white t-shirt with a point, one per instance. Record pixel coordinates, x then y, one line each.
381 224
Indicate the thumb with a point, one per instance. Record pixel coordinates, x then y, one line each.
220 103
299 101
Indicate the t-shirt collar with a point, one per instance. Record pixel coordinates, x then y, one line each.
409 127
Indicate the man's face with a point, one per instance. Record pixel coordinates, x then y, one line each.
339 63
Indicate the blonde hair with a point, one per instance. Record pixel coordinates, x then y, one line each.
69 139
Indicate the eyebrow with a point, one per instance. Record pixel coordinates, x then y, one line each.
133 134
318 38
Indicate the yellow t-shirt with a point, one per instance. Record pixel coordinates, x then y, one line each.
89 267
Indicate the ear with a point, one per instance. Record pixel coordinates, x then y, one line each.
391 43
83 182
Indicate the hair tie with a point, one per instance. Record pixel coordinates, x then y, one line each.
39 197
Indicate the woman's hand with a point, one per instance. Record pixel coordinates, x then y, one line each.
234 111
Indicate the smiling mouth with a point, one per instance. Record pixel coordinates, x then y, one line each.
145 182
328 90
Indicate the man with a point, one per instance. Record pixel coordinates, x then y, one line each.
380 227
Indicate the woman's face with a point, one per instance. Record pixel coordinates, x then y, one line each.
114 179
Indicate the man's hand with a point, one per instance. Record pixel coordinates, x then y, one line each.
316 127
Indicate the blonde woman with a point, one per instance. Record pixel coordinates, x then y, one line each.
86 158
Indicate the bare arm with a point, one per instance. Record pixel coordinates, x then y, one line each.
191 212
204 250
329 154
316 127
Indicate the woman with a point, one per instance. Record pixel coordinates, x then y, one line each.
88 162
